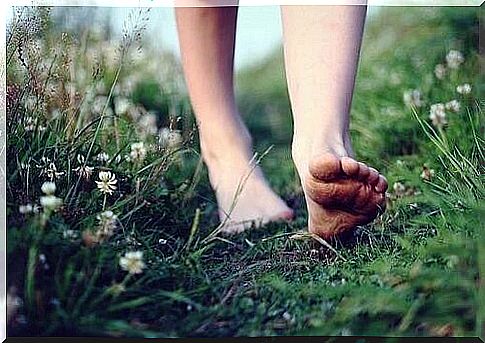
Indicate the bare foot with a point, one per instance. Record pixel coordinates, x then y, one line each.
255 202
341 193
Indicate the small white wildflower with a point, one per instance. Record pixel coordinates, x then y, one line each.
135 112
83 171
287 316
70 234
169 138
30 103
440 71
28 208
398 188
427 173
50 202
132 262
30 123
138 151
51 171
121 105
412 98
100 87
99 104
453 105
148 123
162 241
464 88
314 253
437 115
24 166
346 332
107 183
454 58
106 225
48 188
102 157
43 262
55 114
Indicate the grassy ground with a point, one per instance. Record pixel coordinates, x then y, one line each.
417 270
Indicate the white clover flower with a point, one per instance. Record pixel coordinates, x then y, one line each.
70 234
464 88
148 123
427 173
50 202
412 98
399 188
169 138
48 188
454 58
102 157
30 123
99 103
100 87
138 152
27 208
440 71
51 171
121 105
106 225
56 114
453 105
132 262
23 165
107 183
30 103
437 115
83 171
135 112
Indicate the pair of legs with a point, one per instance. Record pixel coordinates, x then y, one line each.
321 50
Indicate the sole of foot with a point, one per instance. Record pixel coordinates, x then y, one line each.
341 194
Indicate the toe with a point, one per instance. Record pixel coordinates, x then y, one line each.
350 166
380 202
285 215
373 178
381 184
325 167
364 172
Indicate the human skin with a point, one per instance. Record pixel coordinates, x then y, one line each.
321 47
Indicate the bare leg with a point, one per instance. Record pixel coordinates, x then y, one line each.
207 38
321 46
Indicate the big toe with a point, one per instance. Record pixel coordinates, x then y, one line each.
350 167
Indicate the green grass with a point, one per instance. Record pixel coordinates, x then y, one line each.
417 270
